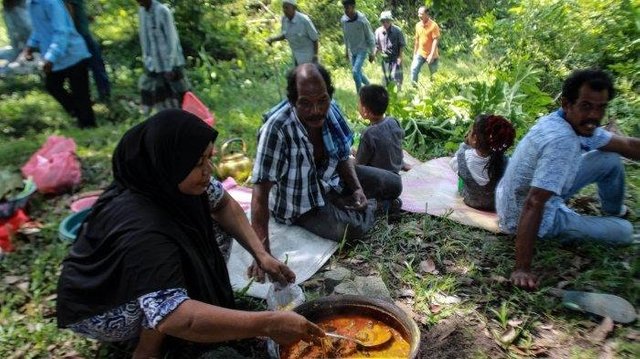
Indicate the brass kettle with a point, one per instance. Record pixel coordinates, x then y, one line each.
234 164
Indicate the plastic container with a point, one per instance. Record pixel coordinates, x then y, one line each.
10 207
83 203
69 227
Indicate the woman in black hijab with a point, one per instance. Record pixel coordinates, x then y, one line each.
146 263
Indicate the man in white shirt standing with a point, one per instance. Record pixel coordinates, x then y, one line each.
299 31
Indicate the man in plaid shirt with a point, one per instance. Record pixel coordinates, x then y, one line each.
303 174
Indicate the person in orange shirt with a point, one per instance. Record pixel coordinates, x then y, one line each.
425 46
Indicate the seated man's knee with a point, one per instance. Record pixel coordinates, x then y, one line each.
625 232
612 158
393 188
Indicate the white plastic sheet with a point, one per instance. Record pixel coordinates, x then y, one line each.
304 251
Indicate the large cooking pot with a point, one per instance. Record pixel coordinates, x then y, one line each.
378 309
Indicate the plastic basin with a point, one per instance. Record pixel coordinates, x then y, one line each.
69 227
9 208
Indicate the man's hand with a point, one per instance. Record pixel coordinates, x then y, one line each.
277 271
289 327
357 201
524 279
429 59
47 67
399 61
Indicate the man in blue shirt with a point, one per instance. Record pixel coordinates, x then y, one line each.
550 165
65 56
358 41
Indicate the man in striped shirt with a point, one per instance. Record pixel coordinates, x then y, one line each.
303 174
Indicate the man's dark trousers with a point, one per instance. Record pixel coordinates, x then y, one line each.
76 102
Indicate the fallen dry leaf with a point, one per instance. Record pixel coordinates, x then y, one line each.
13 279
508 336
23 286
600 333
520 351
434 308
428 266
354 261
515 322
407 293
633 335
446 299
498 279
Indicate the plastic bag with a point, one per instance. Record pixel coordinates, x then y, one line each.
54 167
191 103
281 297
286 297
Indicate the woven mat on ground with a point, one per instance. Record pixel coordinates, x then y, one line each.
432 187
304 251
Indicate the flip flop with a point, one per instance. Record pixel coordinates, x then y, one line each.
604 305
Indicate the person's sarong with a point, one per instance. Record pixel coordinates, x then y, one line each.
155 88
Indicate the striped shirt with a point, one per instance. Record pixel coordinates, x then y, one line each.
285 157
161 50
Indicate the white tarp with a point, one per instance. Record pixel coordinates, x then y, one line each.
304 251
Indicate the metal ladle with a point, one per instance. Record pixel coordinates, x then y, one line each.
374 342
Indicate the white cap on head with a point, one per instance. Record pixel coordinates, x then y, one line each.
290 2
386 15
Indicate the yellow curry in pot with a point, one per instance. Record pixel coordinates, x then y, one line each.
355 326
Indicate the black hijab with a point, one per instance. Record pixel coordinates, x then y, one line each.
143 234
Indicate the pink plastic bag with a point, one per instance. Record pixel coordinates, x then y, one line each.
191 103
54 167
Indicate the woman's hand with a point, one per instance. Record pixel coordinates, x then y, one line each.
277 271
290 327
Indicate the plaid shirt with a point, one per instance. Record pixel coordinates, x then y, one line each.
285 158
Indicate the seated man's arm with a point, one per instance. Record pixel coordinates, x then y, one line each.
347 172
528 227
231 217
628 147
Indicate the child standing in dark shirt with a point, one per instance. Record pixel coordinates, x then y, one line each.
381 143
480 161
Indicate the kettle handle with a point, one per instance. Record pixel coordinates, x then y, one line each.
227 142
